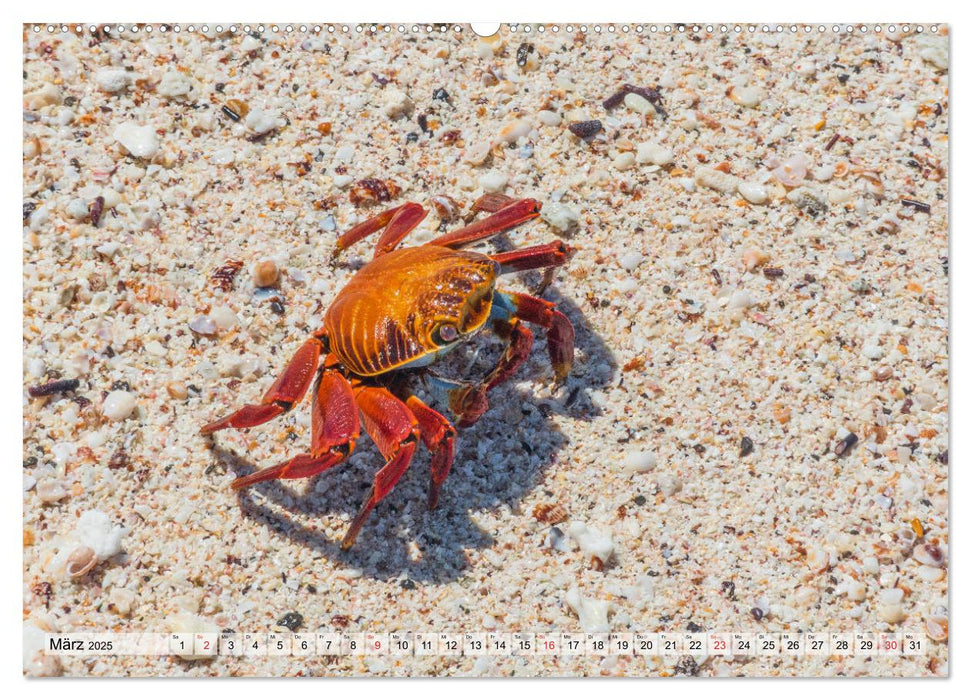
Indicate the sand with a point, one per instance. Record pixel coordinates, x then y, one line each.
753 438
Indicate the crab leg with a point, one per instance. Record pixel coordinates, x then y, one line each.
395 431
286 391
406 218
365 228
438 434
334 430
559 336
547 255
506 218
468 401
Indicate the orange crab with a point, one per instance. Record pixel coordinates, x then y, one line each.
396 316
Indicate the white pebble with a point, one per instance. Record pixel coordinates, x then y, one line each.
224 317
624 161
891 613
224 156
118 405
716 180
669 484
891 596
95 530
50 490
654 154
591 542
513 131
262 121
871 565
174 84
639 462
140 141
493 181
113 79
873 351
855 590
740 299
560 216
637 103
630 261
749 96
477 153
549 118
753 192
397 104
591 613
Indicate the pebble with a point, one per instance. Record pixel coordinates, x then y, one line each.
95 529
493 181
513 131
174 84
113 79
118 405
624 161
177 390
872 351
593 544
716 179
549 118
50 490
637 103
121 600
478 153
893 614
397 104
223 156
630 261
140 141
49 94
262 121
752 192
639 462
266 274
749 96
855 590
203 325
669 484
223 317
560 216
793 171
653 154
591 613
740 299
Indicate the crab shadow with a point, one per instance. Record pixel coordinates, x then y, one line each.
499 460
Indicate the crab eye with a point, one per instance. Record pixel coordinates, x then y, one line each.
445 333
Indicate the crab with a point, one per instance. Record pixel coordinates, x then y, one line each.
397 315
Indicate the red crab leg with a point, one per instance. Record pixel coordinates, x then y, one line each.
546 255
395 432
365 228
406 218
559 336
334 430
438 434
468 401
506 218
286 391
